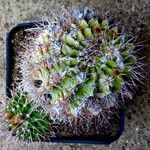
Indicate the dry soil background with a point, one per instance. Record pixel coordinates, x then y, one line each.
136 14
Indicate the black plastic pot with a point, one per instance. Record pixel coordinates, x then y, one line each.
9 70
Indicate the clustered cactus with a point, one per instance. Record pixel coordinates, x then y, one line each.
76 56
25 120
80 58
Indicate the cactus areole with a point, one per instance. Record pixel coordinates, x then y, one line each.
74 57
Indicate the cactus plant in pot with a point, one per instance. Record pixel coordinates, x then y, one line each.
70 76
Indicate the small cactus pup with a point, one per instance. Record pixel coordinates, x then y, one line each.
76 56
26 121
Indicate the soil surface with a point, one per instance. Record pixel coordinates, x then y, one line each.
136 15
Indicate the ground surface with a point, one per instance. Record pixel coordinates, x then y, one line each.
136 14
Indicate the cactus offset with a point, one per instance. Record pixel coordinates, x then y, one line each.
25 120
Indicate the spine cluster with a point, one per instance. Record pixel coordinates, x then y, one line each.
25 120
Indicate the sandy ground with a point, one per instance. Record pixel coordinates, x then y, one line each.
137 16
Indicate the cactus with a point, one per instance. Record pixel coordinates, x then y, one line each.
79 56
26 121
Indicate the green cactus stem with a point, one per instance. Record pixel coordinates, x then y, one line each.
83 57
25 120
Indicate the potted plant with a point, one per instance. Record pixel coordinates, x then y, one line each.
69 76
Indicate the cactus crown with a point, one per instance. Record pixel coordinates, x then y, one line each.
26 121
80 56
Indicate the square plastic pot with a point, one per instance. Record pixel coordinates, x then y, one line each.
9 79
